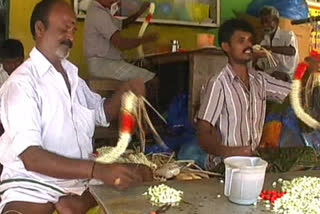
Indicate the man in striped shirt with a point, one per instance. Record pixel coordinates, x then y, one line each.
232 111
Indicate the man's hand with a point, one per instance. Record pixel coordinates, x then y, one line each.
144 7
137 87
122 176
241 151
112 106
257 54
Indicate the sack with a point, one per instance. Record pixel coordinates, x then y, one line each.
291 9
178 120
178 123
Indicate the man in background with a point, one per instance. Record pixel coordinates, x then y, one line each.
11 56
232 110
104 43
282 44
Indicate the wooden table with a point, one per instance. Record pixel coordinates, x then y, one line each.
201 64
200 196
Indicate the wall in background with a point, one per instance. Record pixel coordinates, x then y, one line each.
4 16
20 12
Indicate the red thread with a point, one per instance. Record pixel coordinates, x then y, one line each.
149 17
127 123
301 70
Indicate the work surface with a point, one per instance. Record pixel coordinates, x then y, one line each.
200 196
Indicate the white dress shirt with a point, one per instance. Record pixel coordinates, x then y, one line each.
37 110
3 75
285 63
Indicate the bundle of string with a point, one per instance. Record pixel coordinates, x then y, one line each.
272 62
133 109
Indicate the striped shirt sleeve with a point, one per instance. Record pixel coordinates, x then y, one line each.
212 102
276 90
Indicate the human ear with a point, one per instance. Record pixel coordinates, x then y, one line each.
225 46
39 28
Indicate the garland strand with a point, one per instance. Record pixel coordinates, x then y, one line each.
144 27
296 99
132 110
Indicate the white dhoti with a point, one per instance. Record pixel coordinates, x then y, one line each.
35 191
117 69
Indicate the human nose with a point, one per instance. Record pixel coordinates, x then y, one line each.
249 43
70 34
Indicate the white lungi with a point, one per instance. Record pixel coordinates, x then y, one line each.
117 69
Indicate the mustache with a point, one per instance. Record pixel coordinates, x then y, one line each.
67 43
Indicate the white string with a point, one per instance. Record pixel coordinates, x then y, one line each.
10 211
272 62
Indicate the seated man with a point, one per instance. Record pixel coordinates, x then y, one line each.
49 115
282 44
232 111
11 56
103 42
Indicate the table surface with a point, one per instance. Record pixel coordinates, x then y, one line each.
181 56
200 197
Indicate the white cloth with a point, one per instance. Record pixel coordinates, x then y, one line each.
286 64
117 69
37 110
3 75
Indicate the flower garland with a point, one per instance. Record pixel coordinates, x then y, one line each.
296 99
144 27
133 111
128 113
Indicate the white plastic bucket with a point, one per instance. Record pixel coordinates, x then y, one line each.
244 179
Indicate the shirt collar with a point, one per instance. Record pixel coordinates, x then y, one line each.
252 72
276 35
43 65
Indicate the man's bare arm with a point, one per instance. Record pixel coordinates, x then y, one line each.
128 43
211 141
41 161
38 160
131 19
284 50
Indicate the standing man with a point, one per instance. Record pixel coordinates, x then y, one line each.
49 115
103 42
232 111
11 56
282 44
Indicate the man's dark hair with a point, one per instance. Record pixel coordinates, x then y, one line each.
41 13
270 11
11 48
228 28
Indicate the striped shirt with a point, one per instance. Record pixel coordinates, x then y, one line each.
239 113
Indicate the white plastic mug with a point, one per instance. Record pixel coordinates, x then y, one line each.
244 178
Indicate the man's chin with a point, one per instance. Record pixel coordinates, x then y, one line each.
63 55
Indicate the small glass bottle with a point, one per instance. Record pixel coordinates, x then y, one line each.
174 45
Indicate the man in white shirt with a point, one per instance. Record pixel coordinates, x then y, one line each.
49 115
282 44
11 56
